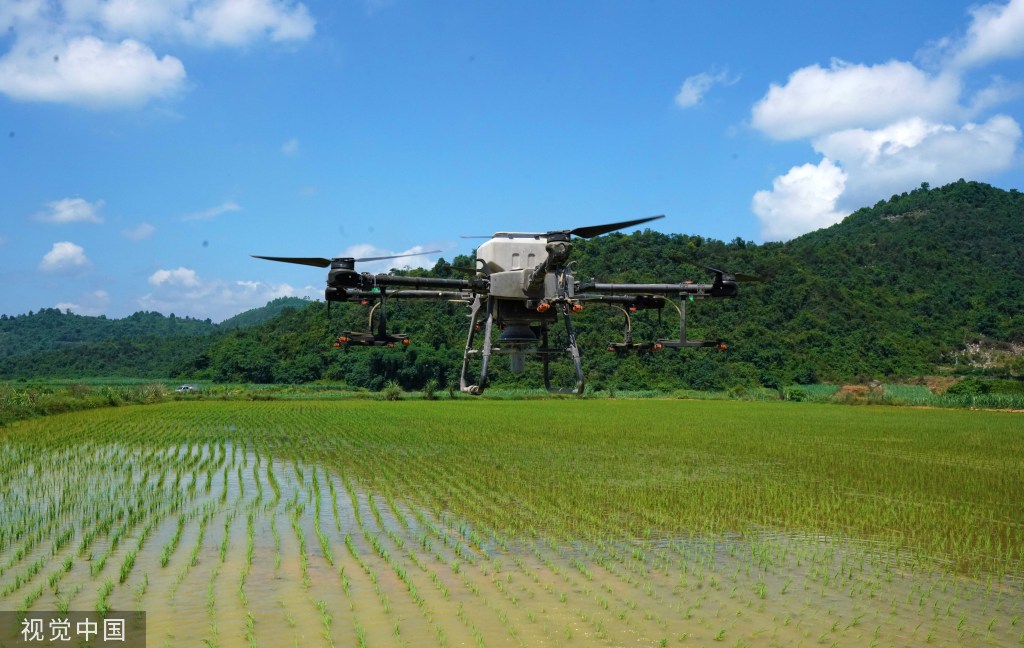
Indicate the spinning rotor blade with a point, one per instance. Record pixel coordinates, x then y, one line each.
678 258
316 262
397 256
748 278
735 277
597 230
320 262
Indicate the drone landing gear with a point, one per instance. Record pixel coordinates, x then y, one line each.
628 344
572 349
682 342
474 315
381 337
487 313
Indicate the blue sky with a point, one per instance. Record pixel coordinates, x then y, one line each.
150 147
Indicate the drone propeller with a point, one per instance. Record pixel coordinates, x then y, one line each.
320 262
597 230
730 276
316 262
735 276
589 231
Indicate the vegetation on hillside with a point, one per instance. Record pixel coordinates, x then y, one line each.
905 288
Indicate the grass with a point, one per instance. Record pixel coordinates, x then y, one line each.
19 400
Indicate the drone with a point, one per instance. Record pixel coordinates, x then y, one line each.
521 287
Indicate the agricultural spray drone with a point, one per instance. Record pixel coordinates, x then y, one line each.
521 286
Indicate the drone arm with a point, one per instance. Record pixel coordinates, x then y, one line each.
712 290
451 295
370 280
637 302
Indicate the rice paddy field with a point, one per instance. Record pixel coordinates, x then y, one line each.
521 523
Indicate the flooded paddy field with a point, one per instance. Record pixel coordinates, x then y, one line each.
529 523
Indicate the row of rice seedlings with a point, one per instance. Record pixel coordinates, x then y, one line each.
475 526
472 536
465 533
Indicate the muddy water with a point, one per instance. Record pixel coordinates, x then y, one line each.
323 561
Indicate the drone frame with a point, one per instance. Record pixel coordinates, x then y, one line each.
523 302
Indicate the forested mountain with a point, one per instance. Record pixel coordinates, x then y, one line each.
895 290
55 343
259 315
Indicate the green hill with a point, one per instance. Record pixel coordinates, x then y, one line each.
897 290
259 315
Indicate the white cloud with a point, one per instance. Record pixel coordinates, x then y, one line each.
213 212
695 87
861 166
178 277
90 72
140 232
996 32
998 91
367 250
800 201
16 13
98 52
184 292
291 147
65 256
901 156
816 100
237 22
71 210
92 304
883 129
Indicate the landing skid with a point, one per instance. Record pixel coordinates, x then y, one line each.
482 315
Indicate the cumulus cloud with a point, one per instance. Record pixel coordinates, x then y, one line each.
91 72
71 210
892 159
65 257
996 32
178 277
885 128
213 212
183 291
92 304
817 100
802 200
237 22
140 232
421 257
695 87
98 52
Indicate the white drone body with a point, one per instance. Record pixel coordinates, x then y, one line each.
511 260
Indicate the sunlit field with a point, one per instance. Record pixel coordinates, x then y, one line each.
522 523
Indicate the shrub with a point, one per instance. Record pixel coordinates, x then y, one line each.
796 394
969 387
392 391
430 390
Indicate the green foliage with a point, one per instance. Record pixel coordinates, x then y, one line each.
970 386
430 390
256 316
392 391
894 291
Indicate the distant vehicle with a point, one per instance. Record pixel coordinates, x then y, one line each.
185 388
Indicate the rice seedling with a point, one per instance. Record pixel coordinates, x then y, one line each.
663 519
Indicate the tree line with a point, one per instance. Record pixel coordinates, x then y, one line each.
894 291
